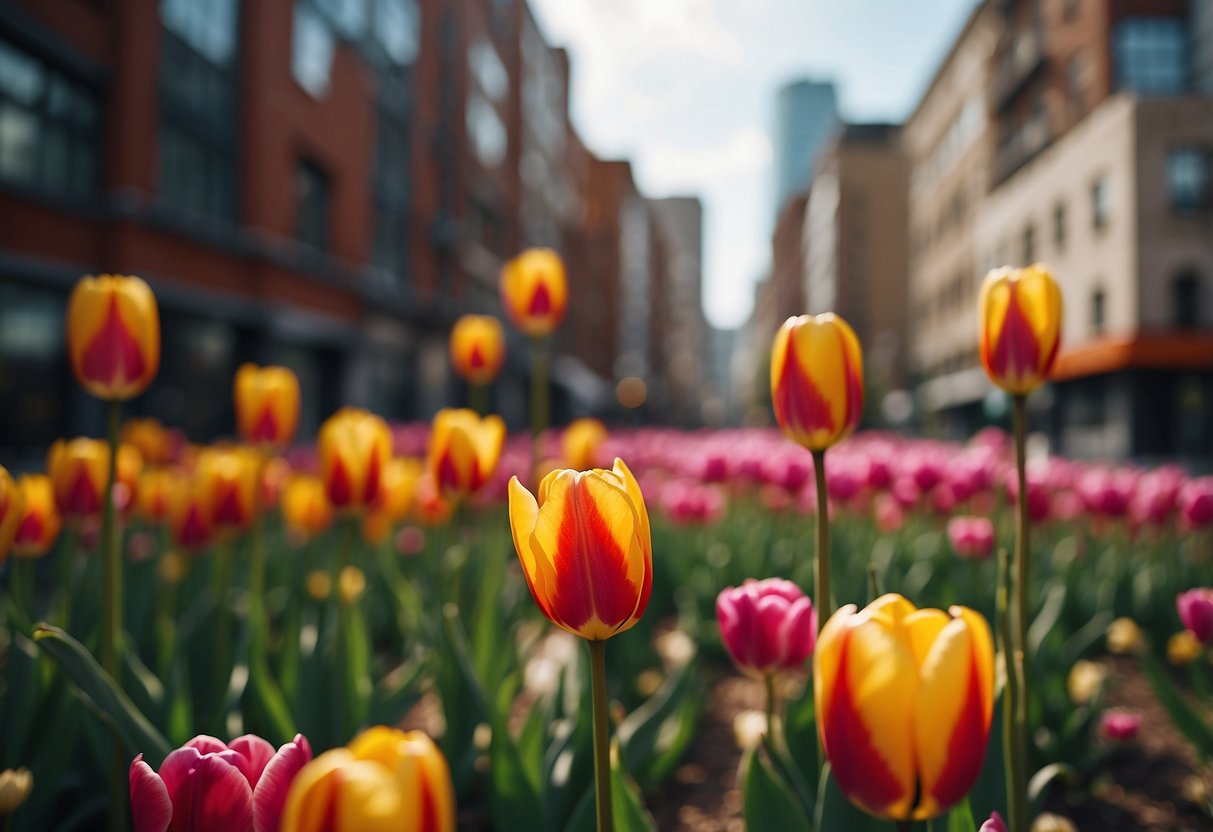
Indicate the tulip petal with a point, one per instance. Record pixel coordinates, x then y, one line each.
269 795
524 512
255 753
212 793
151 806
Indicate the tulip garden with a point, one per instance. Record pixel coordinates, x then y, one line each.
382 626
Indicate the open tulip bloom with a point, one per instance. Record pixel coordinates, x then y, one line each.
904 701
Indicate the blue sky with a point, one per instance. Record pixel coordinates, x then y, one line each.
686 90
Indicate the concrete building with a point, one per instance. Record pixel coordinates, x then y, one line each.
856 244
806 114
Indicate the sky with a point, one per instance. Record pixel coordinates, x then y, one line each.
686 90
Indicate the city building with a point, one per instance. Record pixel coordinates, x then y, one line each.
806 114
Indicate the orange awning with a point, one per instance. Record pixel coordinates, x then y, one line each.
1143 351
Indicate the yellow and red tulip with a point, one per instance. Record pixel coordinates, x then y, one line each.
534 291
40 521
12 508
190 515
79 472
1019 320
385 779
400 478
113 335
816 380
354 447
477 348
267 405
464 450
585 548
904 701
580 443
306 511
275 471
430 506
152 439
228 476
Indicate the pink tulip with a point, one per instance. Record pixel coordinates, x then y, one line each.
207 786
1120 725
1196 612
888 513
994 824
971 537
767 625
1196 503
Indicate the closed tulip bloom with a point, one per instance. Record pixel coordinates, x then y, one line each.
191 517
153 440
113 335
477 348
767 626
15 787
209 786
400 477
267 405
40 520
154 494
585 548
385 780
306 511
1196 503
430 506
1184 648
972 538
229 476
464 450
816 380
580 443
1196 612
534 291
993 824
79 472
1019 318
12 509
904 700
354 446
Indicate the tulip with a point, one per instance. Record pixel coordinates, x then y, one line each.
395 499
1183 648
1124 636
477 348
228 476
1196 503
12 510
267 405
190 514
385 779
306 512
15 787
79 471
1049 822
209 786
40 520
904 701
1085 681
432 508
113 336
154 494
274 474
972 538
153 440
1019 316
1120 724
993 824
585 549
464 450
816 380
580 443
534 291
1196 612
354 446
766 626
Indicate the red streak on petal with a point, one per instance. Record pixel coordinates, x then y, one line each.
429 810
194 532
541 301
374 480
113 357
1017 352
966 746
861 772
341 490
265 429
82 499
854 408
31 529
798 403
228 511
476 358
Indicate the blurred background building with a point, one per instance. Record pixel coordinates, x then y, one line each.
806 113
324 184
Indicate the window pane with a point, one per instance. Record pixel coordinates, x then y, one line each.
396 29
1188 179
18 138
312 47
312 220
1151 55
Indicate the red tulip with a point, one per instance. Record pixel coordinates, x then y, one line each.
767 625
209 786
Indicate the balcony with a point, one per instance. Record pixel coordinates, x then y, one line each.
1020 146
1017 63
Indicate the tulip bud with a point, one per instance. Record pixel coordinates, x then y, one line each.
904 702
1183 648
993 824
580 443
477 348
305 507
113 335
1120 725
1196 503
40 521
191 518
1124 636
354 446
816 380
351 583
585 549
12 509
395 499
1019 317
15 787
1086 679
464 450
534 291
767 626
267 405
79 472
153 441
319 584
1196 612
972 538
229 478
1049 822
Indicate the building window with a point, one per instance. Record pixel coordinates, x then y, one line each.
1077 72
1185 300
312 201
1100 207
1029 244
397 29
197 135
1188 180
1059 226
389 249
49 126
313 43
1150 54
1098 311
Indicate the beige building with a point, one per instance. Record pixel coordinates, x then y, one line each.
1120 211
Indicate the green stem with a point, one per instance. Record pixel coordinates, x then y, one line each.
822 555
1012 748
772 707
539 401
347 689
479 398
21 587
1022 586
222 580
111 614
65 572
602 747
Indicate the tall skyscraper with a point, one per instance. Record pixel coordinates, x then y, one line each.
806 113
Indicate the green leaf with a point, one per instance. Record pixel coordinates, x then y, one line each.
20 698
626 801
652 730
1040 780
1050 612
396 693
960 819
137 733
1189 723
513 799
768 802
